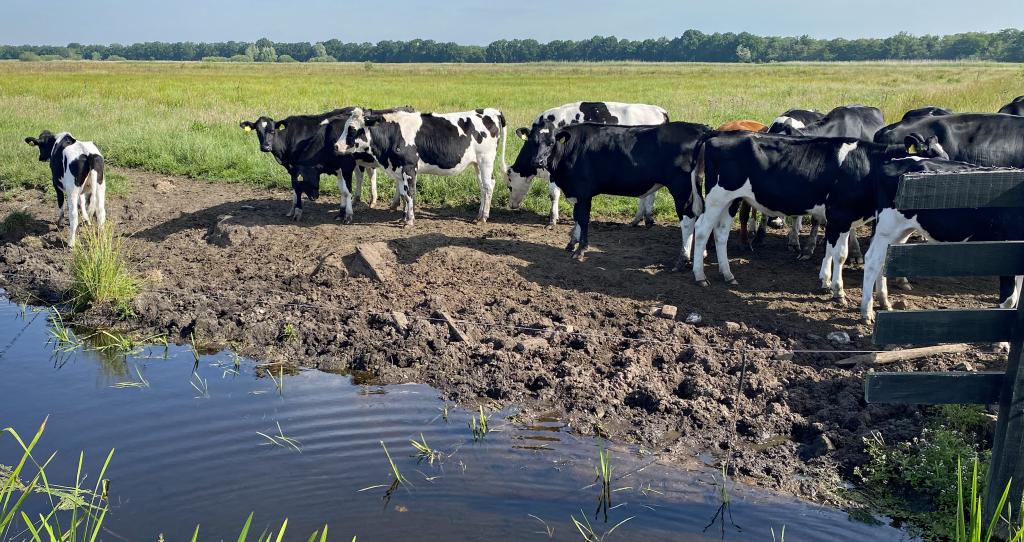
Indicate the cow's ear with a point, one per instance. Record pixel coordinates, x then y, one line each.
245 125
32 141
562 137
523 133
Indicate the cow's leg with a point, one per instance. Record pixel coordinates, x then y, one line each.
856 256
840 251
60 205
74 194
745 212
373 187
555 194
762 229
721 247
794 233
687 221
357 184
812 243
890 229
405 181
706 224
344 178
296 195
485 172
1009 295
581 215
83 203
648 202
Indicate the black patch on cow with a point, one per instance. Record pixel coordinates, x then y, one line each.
597 112
438 142
985 139
551 118
492 128
467 126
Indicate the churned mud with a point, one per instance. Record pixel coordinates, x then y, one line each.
532 327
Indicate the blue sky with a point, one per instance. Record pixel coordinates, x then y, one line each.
482 21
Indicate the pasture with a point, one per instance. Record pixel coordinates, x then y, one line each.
494 314
182 118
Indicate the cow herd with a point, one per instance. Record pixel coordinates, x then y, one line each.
840 169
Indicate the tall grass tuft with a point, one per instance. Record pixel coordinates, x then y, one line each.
100 271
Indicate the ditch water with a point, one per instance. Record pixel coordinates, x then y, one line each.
188 451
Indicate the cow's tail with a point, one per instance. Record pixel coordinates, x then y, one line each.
697 173
504 141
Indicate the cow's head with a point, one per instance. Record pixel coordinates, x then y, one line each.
266 129
520 175
355 136
45 143
552 146
917 145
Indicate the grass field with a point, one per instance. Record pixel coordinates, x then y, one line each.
182 118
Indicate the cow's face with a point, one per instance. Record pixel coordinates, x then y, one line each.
925 148
523 170
551 149
266 129
45 143
355 137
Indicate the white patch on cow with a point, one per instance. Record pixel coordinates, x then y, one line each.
325 122
408 123
263 124
788 121
938 146
545 131
844 150
716 219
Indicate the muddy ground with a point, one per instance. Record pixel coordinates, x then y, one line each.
555 336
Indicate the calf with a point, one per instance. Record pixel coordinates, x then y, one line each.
984 139
782 176
1016 107
939 225
523 170
407 144
302 144
588 159
76 169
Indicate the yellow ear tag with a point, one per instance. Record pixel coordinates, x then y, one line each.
248 128
524 137
280 127
911 150
563 138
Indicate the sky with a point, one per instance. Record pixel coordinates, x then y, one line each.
483 21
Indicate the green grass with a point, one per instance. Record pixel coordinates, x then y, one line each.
182 118
14 221
100 271
479 425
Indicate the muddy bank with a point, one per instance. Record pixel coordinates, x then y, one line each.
532 327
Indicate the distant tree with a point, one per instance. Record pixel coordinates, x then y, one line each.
743 53
95 56
262 51
213 59
28 56
116 58
324 58
286 58
319 50
241 58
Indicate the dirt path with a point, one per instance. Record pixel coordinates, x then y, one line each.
221 261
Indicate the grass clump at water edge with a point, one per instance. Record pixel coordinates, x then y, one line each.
100 273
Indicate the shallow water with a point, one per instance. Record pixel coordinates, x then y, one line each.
184 457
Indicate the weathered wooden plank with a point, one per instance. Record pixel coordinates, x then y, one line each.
975 259
933 388
945 326
908 354
999 188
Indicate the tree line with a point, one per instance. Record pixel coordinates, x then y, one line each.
693 46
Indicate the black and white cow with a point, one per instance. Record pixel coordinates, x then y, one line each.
927 111
937 225
794 118
586 160
76 169
523 170
984 139
303 145
1016 107
783 175
407 144
853 121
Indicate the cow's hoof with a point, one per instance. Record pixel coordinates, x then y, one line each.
732 282
803 257
571 247
867 319
549 226
635 222
298 215
857 260
793 248
578 255
347 219
905 286
839 299
648 223
704 283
